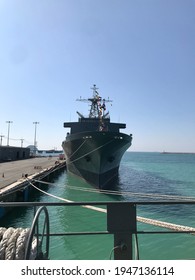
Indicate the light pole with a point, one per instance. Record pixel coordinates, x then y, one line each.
8 122
35 140
1 139
22 140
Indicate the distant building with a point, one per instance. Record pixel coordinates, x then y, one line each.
33 150
51 153
9 153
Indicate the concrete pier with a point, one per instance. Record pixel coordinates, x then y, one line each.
12 174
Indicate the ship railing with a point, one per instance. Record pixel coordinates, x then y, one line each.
122 223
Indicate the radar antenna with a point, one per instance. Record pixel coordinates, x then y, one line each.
98 107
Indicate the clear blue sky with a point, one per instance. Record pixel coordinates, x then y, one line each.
140 53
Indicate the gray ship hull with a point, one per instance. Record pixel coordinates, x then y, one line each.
95 156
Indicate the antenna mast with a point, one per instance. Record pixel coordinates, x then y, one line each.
97 108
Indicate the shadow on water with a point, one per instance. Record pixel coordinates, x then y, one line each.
89 192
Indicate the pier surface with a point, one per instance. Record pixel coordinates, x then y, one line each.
12 171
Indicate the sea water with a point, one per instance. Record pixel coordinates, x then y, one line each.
143 177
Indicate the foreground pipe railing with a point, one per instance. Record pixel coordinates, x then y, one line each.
121 221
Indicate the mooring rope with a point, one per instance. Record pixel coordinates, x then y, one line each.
66 200
6 236
90 152
153 222
13 243
21 244
2 230
124 193
10 250
77 149
170 226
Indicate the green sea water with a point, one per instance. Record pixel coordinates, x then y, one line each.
141 173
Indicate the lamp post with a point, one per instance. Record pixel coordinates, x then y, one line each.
22 140
1 139
8 122
35 140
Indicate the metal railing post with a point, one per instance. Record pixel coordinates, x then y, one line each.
121 221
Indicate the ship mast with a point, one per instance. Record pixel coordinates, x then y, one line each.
95 101
98 107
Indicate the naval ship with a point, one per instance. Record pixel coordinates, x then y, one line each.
94 146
